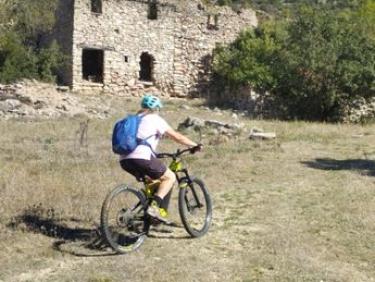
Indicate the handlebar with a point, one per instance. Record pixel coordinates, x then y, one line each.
179 152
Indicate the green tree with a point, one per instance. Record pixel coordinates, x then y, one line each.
23 54
251 59
313 66
16 60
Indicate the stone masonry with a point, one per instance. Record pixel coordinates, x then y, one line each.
122 46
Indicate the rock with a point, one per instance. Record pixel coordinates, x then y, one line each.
256 130
214 123
36 99
184 107
361 110
49 113
13 103
235 116
213 127
19 112
358 135
9 105
219 139
62 108
4 107
191 122
30 112
262 135
62 88
39 105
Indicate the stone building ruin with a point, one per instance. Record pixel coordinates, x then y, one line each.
121 46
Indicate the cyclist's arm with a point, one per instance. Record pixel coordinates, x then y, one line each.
179 138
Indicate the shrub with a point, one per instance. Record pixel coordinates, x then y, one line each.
23 25
313 66
16 60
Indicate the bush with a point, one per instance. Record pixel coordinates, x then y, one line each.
50 60
313 66
16 60
23 24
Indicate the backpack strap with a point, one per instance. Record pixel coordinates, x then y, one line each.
144 141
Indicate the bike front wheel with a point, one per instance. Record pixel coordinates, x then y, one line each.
123 219
195 207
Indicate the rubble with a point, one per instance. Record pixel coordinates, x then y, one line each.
211 126
31 99
259 134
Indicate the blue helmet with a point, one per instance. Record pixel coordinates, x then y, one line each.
151 102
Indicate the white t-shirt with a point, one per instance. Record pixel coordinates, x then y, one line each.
151 125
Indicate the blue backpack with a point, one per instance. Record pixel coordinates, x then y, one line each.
124 137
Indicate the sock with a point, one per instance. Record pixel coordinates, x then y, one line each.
165 201
158 200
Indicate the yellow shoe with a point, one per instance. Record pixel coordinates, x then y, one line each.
155 212
163 212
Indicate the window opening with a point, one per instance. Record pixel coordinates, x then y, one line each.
147 67
93 65
96 6
152 10
126 59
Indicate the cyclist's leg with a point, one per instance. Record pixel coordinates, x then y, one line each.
166 200
159 206
166 184
154 169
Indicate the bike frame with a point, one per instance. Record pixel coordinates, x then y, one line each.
177 168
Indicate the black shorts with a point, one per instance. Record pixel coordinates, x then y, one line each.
153 168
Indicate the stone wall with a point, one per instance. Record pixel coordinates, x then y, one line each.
180 41
197 35
124 33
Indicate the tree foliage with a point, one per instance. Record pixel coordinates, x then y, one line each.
313 66
275 6
23 54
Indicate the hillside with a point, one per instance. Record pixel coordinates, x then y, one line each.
299 208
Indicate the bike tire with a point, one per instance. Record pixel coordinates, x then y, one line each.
188 207
124 225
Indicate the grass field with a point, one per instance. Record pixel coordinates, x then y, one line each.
299 208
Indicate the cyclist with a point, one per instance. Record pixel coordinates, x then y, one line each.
143 161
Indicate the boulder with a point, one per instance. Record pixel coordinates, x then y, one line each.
191 123
211 126
258 134
9 105
184 107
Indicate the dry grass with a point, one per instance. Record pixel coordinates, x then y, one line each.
300 208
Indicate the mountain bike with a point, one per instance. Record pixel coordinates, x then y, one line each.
125 223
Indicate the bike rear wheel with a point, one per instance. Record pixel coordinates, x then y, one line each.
195 207
123 219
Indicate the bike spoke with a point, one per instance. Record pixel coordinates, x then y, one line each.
123 220
194 209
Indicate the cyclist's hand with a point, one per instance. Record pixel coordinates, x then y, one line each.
197 148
